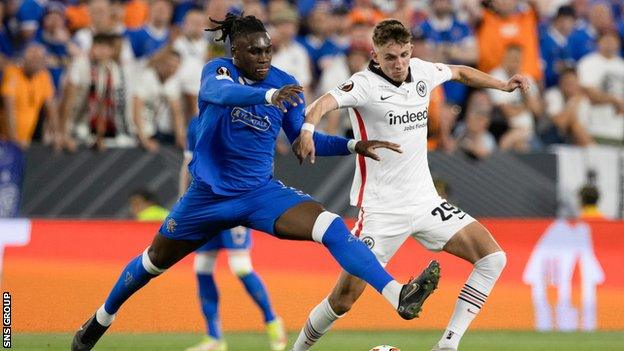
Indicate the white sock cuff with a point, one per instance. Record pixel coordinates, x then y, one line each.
204 262
149 266
486 272
497 257
329 311
103 317
323 221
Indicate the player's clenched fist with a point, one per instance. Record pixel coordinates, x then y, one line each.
287 94
304 147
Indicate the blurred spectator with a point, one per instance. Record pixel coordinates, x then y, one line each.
288 54
217 11
145 207
566 106
583 38
29 14
518 108
472 135
554 46
454 43
97 104
321 48
26 89
602 75
588 197
181 9
504 23
101 22
55 37
77 14
136 14
149 38
255 8
157 112
6 46
192 46
366 11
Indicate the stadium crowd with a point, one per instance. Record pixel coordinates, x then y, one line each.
126 73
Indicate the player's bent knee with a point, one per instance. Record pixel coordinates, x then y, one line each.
205 262
149 266
240 263
323 221
492 265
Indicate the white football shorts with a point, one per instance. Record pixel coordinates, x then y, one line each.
433 223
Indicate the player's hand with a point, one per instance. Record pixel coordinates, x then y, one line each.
517 81
304 147
287 94
366 148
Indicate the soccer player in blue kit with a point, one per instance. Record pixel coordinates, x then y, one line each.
237 243
243 102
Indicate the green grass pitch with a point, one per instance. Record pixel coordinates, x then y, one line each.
343 341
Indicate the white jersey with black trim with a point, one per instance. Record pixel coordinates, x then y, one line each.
380 109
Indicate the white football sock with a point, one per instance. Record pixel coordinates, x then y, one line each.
472 297
318 323
391 292
103 317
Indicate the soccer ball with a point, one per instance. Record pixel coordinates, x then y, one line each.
385 348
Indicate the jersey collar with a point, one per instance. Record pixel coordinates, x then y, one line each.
373 67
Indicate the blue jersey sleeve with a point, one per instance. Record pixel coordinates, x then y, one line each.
218 87
191 135
326 145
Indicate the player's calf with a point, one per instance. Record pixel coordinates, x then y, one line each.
135 275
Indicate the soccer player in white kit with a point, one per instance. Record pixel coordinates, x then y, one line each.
394 191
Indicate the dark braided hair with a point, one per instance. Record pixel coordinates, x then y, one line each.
234 26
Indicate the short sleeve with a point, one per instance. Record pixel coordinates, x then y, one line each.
353 92
437 73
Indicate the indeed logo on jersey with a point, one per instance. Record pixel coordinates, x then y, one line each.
246 117
397 118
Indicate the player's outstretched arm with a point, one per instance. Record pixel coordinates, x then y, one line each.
304 146
218 87
477 79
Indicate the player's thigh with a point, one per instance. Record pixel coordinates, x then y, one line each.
164 252
472 243
383 232
283 211
298 221
436 221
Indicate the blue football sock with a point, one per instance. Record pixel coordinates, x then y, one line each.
132 278
209 297
354 256
258 293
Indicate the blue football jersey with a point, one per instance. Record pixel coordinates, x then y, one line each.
145 42
237 129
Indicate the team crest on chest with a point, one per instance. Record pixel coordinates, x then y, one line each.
421 88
